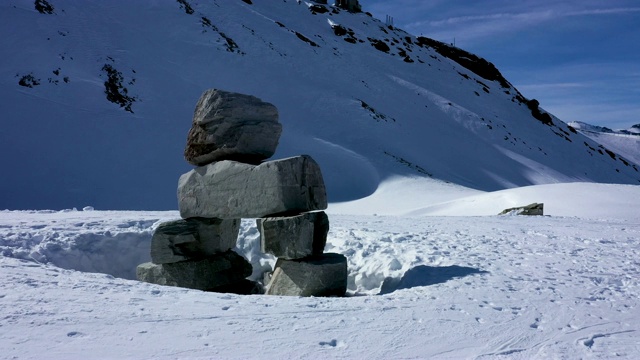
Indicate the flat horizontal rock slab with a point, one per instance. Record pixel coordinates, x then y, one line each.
324 275
210 273
232 190
192 239
232 126
294 237
531 209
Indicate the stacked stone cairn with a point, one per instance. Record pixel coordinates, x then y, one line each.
231 136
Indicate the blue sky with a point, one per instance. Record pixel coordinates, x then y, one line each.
580 59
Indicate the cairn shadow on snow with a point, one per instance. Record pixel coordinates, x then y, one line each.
424 275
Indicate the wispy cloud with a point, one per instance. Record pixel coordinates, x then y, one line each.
480 24
532 16
628 10
529 17
554 86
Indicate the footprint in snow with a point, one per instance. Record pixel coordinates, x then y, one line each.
333 343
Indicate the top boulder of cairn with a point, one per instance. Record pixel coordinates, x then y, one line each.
232 126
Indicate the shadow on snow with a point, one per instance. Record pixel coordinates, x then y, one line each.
424 275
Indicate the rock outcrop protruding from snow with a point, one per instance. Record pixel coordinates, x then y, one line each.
324 275
294 237
193 238
231 190
531 209
206 274
232 126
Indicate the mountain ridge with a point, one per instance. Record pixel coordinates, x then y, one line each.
368 103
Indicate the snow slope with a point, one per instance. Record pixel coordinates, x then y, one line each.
624 142
366 113
443 287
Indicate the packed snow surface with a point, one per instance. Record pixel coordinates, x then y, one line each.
455 286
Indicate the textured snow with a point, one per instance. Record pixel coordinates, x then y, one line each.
558 286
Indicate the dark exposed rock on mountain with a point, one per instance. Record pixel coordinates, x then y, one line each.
43 7
470 61
28 81
115 90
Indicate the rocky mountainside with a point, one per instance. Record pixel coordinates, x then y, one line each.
98 98
625 142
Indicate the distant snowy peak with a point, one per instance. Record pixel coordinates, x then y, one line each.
625 143
579 125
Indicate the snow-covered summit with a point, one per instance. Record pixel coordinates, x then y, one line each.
625 142
633 130
98 99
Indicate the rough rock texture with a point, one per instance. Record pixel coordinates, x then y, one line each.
531 209
193 238
294 237
210 273
324 275
232 126
232 190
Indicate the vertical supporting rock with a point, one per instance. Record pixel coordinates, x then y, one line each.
294 237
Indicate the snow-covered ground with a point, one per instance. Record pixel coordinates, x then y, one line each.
558 286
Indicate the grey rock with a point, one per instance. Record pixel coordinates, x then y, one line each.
294 237
324 275
266 278
193 238
232 126
232 190
210 273
531 209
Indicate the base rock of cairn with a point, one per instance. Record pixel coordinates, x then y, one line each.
207 274
323 275
230 136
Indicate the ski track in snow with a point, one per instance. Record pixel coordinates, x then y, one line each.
454 287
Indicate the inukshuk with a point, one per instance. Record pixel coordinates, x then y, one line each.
231 136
